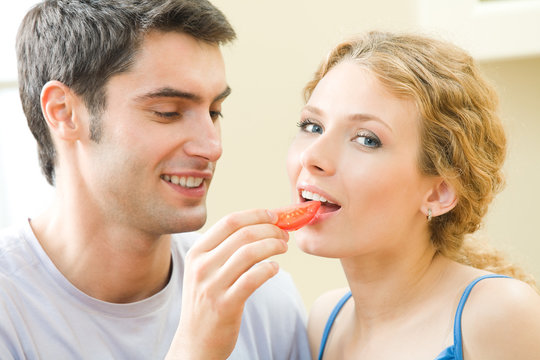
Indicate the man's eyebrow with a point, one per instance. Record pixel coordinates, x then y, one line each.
168 92
224 94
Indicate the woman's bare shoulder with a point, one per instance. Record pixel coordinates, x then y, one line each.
501 320
318 316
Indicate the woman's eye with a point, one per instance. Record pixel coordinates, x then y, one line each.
310 127
368 140
313 128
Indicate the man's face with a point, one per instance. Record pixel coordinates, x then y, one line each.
160 138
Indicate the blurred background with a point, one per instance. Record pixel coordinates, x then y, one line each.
280 43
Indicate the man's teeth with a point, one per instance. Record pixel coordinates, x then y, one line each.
184 181
308 195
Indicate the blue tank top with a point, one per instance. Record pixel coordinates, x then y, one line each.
453 352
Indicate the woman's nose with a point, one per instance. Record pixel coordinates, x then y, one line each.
320 156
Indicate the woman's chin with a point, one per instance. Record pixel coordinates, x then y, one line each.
310 245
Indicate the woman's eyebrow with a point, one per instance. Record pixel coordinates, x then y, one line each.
369 117
354 116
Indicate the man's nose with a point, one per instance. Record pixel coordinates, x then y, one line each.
205 139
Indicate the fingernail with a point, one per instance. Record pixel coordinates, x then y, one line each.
275 265
285 236
273 216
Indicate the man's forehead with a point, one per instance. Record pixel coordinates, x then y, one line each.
175 65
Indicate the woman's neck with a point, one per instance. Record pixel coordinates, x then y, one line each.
390 285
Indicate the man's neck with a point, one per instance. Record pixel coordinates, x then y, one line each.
107 261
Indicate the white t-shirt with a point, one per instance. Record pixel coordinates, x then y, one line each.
43 316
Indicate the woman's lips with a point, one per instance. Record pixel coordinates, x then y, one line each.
324 213
329 206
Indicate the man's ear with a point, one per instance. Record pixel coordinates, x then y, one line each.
440 199
57 105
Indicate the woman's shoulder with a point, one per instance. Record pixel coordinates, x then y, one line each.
320 312
325 303
501 319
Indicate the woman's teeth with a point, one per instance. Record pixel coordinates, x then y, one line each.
308 195
184 181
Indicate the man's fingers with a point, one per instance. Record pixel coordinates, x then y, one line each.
250 281
248 256
247 235
230 224
203 264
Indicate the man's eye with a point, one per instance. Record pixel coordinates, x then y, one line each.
215 115
167 115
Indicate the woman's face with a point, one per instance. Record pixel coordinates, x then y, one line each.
358 148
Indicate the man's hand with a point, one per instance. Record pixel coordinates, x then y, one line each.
221 271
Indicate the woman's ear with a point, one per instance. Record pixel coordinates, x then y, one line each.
440 199
57 102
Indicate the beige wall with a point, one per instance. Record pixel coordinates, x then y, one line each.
279 45
514 217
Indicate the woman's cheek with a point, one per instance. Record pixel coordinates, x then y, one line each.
293 163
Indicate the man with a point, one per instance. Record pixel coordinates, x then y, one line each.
124 99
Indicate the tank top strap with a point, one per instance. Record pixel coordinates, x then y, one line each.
458 341
458 344
330 322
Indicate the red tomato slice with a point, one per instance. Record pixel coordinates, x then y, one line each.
293 217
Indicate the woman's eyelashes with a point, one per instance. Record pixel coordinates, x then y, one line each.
310 126
368 139
363 137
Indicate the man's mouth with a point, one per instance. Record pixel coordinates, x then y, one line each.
184 181
326 205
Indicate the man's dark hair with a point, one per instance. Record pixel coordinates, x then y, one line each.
83 43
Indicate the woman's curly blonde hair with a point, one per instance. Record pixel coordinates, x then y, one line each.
462 136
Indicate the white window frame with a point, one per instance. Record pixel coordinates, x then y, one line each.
488 29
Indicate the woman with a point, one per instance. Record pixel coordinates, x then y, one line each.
401 142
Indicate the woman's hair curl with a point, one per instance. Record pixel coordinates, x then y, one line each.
462 136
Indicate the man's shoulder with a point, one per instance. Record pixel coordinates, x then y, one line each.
275 319
278 298
11 234
15 250
17 268
281 285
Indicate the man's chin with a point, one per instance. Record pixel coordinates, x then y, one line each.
187 223
176 220
191 226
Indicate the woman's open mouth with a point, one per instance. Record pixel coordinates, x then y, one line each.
327 206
